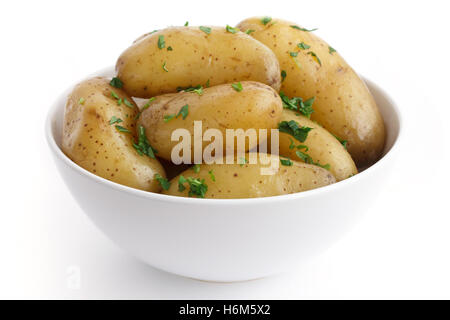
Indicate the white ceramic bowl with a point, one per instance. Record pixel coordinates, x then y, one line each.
224 240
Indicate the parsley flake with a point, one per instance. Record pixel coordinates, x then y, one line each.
303 46
128 103
163 182
122 129
116 83
143 146
231 29
292 128
114 119
331 50
237 86
297 104
161 42
303 29
286 162
196 168
212 176
164 67
266 20
283 75
206 30
81 101
248 31
315 57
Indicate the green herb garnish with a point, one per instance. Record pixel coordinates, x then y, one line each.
128 103
307 159
248 31
303 29
331 50
197 187
198 89
196 168
122 129
293 54
242 161
283 75
169 48
81 101
186 23
115 96
206 30
143 146
315 57
164 183
342 141
207 84
231 29
292 128
114 119
161 42
212 176
286 162
266 20
237 86
184 111
297 104
303 46
116 83
164 67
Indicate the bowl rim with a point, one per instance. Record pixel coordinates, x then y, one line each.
59 154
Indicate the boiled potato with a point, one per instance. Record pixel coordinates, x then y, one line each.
244 180
343 105
98 135
178 57
256 106
321 146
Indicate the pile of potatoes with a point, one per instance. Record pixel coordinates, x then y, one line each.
264 74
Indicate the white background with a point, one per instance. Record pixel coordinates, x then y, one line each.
400 250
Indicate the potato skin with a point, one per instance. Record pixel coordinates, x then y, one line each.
323 147
343 105
235 181
257 106
91 142
196 58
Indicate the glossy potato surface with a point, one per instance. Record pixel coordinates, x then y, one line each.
323 147
96 145
343 104
221 107
234 181
194 58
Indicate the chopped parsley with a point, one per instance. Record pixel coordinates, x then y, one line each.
161 42
164 183
248 31
114 95
242 161
145 106
237 86
128 103
315 57
164 67
81 101
206 30
184 111
342 141
196 168
307 159
303 46
197 89
331 50
116 83
303 29
186 23
181 181
122 129
197 187
286 162
212 176
292 128
266 20
293 54
283 75
297 104
169 48
207 84
114 119
231 29
143 146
